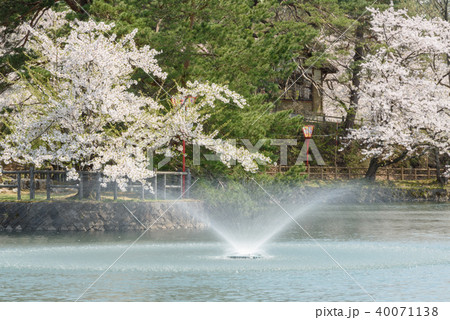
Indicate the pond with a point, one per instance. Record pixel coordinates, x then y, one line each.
382 252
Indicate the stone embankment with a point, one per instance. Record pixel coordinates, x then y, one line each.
367 193
101 216
434 195
376 194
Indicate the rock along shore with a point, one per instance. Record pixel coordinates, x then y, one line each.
101 216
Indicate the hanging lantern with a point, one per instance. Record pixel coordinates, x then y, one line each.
177 101
308 131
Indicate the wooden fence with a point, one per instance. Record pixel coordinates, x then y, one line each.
163 183
347 173
322 118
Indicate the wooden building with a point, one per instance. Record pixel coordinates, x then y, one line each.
302 91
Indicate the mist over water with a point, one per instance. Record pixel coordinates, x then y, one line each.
249 217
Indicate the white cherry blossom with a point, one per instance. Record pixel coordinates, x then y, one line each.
406 87
86 116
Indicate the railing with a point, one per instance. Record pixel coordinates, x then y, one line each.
163 184
325 118
347 173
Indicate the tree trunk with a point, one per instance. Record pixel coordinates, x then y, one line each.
439 177
76 5
375 164
187 61
90 183
372 170
356 78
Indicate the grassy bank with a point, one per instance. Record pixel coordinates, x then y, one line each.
417 188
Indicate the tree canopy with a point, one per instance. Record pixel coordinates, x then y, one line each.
405 88
74 106
249 47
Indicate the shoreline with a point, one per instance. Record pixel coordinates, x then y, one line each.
89 215
101 216
363 192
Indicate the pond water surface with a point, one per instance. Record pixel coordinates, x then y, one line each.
395 252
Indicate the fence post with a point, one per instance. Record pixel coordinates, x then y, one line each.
188 190
97 196
387 174
181 185
165 183
428 173
19 184
115 190
321 173
402 174
80 187
47 182
156 186
415 173
32 183
335 172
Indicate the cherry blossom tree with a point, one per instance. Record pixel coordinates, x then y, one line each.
76 106
406 90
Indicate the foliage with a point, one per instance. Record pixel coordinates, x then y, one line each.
429 8
406 87
247 195
347 49
242 44
250 45
76 108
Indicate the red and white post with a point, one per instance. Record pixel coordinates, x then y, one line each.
307 132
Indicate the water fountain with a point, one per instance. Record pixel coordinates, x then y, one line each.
247 231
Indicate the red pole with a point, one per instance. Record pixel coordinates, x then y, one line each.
307 132
307 149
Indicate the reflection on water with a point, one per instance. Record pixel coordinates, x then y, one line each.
396 252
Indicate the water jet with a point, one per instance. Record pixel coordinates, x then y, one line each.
245 256
249 218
